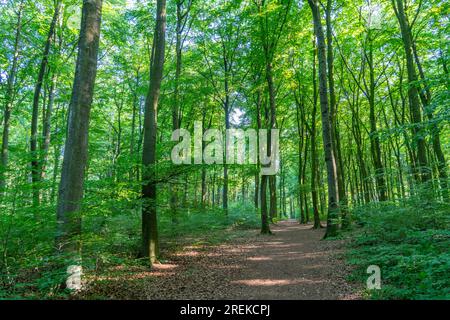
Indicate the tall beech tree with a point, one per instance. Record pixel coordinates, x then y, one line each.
330 160
35 166
150 241
270 30
182 28
358 91
71 187
413 94
9 98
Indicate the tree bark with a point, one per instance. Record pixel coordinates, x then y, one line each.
272 178
413 97
333 105
76 145
375 147
265 227
35 166
4 155
314 158
300 131
225 165
333 201
46 126
150 242
425 96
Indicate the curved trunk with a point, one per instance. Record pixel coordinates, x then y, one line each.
333 201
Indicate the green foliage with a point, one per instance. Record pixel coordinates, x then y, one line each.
111 224
409 241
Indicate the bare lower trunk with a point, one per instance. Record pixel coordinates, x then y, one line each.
265 228
333 207
46 129
225 166
35 166
413 96
314 158
150 243
4 154
435 132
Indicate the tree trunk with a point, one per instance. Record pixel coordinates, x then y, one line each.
333 106
46 128
35 166
76 146
136 110
258 126
176 105
4 155
150 244
265 228
333 207
314 158
413 96
204 185
272 178
435 134
225 166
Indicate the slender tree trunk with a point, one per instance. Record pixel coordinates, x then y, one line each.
35 166
135 112
256 197
213 200
4 155
273 197
333 201
56 156
305 195
204 186
176 105
425 96
314 170
272 178
258 126
332 102
76 146
225 165
269 46
150 242
46 126
301 134
343 202
413 96
265 228
314 158
374 138
226 108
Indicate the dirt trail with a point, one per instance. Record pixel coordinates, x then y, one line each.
290 264
293 264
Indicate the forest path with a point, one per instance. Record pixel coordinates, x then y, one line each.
293 263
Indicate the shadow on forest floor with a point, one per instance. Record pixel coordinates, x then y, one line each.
291 264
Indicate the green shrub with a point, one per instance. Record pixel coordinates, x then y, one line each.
410 243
